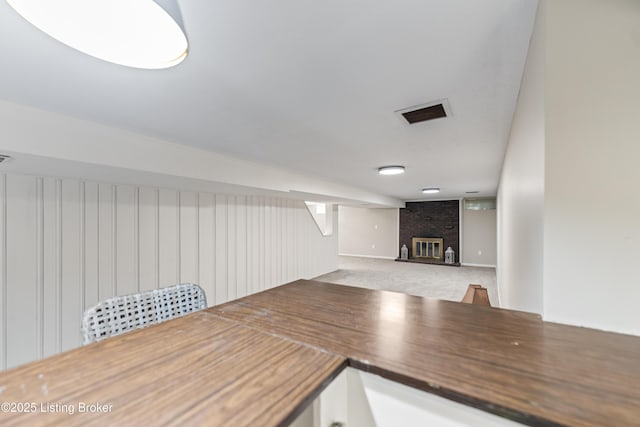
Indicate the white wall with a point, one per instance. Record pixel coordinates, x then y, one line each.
520 201
479 237
568 213
592 203
368 232
65 244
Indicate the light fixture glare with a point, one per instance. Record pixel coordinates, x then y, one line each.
391 170
430 190
139 34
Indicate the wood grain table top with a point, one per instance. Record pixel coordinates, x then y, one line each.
197 370
506 362
261 359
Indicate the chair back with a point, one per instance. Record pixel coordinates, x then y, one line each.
117 315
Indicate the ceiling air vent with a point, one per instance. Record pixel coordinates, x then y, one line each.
4 158
425 112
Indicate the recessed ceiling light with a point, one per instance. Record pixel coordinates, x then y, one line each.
430 190
138 34
391 170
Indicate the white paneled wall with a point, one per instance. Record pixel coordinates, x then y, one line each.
66 244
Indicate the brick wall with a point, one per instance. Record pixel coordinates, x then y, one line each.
431 219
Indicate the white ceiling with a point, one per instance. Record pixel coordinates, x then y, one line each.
308 85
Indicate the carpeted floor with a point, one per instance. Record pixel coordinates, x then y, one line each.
434 281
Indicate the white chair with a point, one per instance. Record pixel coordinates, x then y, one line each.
117 315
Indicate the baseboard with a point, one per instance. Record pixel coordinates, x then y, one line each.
369 256
465 264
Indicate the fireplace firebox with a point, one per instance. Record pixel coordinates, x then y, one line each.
427 248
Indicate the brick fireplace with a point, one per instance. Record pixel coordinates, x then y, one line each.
436 220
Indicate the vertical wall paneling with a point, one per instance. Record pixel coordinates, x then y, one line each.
114 238
66 244
241 246
275 245
81 240
51 309
206 246
301 243
278 239
221 249
58 260
91 245
71 281
289 245
275 214
268 249
275 240
188 237
304 239
126 274
136 236
262 243
40 265
196 247
168 238
254 244
294 242
256 239
148 238
248 246
284 239
3 272
106 261
21 244
178 238
231 248
296 249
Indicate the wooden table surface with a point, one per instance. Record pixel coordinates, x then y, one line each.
196 370
261 359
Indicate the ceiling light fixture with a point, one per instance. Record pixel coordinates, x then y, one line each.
391 170
430 190
139 34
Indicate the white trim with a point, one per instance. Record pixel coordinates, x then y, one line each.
460 229
369 256
465 264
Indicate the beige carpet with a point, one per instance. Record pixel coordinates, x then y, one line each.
436 281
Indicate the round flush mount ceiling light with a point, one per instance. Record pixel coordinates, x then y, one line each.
391 170
430 190
135 33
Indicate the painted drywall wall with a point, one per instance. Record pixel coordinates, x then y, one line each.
592 208
66 244
368 232
520 201
479 237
